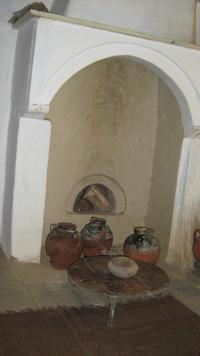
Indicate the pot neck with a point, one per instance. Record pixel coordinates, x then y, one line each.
66 227
96 222
143 230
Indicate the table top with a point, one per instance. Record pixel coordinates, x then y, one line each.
93 273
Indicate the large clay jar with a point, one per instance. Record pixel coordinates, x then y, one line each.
97 237
63 245
142 245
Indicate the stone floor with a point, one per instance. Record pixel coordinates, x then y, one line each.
35 286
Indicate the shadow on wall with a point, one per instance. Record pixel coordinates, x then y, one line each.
16 95
165 168
60 6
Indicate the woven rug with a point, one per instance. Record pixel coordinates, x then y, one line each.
153 327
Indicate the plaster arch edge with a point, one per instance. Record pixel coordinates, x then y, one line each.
166 68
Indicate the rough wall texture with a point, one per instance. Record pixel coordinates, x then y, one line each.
104 121
116 118
168 145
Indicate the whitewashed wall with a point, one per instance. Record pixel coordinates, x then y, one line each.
171 18
198 22
8 38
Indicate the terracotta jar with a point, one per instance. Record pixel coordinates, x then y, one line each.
63 245
97 237
142 245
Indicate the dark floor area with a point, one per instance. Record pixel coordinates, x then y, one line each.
153 327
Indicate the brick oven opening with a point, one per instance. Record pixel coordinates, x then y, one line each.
94 198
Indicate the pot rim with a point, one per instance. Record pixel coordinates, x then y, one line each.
65 226
143 230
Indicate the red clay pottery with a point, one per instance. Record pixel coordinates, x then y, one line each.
63 245
142 245
196 245
97 237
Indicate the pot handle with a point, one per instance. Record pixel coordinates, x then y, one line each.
53 226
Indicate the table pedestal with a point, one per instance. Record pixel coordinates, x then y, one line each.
111 312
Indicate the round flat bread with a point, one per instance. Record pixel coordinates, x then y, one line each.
123 267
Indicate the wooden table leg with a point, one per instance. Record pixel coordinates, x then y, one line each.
111 312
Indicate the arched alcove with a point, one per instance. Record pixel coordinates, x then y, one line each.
108 127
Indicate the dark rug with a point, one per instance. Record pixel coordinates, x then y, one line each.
153 327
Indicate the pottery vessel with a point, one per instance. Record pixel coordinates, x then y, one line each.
142 245
97 237
63 245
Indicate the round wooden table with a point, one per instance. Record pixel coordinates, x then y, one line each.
93 273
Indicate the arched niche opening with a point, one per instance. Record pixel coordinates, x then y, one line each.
94 199
116 118
97 194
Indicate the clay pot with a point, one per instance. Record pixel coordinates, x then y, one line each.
142 245
63 245
97 237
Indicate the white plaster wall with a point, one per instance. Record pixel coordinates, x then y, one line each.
79 46
186 218
198 22
165 167
27 217
159 17
8 38
170 18
8 41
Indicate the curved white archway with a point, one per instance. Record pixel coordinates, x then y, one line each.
178 81
70 47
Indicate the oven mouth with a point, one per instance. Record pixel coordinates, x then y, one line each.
96 194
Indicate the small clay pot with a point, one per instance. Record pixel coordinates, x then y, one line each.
97 237
63 245
142 245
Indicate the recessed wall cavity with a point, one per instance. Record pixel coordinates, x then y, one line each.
110 119
94 199
97 194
